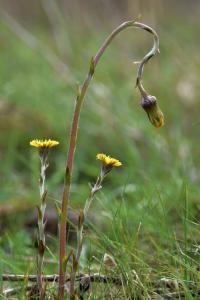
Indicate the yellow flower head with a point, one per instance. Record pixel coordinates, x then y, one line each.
108 161
43 143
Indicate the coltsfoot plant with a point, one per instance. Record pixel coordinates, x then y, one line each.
148 102
108 163
43 147
155 115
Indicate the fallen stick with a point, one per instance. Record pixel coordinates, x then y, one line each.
96 277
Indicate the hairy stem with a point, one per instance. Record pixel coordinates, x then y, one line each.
74 129
41 225
97 186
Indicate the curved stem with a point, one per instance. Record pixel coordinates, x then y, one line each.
147 57
74 129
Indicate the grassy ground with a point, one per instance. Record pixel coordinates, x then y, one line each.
147 215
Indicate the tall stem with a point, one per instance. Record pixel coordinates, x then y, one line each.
97 186
74 130
41 225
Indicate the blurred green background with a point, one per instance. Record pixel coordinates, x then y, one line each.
47 52
45 48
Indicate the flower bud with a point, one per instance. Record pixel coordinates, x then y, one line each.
154 113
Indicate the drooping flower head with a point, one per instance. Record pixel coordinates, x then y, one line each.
154 113
43 146
108 162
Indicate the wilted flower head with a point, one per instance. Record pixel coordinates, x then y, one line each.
43 146
155 115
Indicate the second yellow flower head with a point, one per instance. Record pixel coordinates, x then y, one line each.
43 143
108 161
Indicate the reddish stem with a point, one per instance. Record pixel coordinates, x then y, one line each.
74 130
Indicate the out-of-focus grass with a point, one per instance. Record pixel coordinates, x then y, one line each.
143 221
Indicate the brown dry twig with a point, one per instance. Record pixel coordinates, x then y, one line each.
96 277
